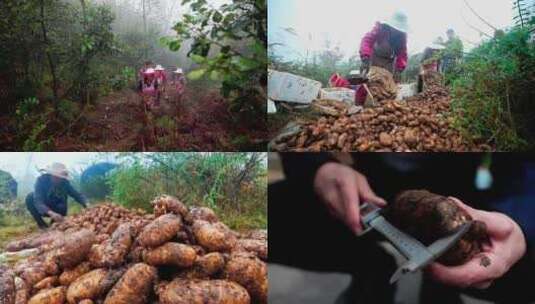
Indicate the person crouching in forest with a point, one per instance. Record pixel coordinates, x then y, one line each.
161 79
179 80
149 88
49 198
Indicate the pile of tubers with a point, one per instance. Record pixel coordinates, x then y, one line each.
422 123
108 254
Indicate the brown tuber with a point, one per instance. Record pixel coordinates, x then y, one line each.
248 271
113 251
92 285
161 230
22 293
75 249
211 263
201 213
46 283
258 247
49 296
169 204
171 254
214 236
7 286
70 275
134 286
428 217
181 291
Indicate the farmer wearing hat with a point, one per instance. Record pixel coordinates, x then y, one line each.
385 46
431 62
49 198
149 87
383 53
179 81
161 79
140 75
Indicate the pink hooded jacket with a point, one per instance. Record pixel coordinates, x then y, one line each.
378 34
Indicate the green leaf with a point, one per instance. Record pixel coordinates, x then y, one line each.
217 17
174 45
197 74
214 75
198 59
246 64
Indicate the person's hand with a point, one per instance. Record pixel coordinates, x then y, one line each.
365 66
55 216
507 245
342 189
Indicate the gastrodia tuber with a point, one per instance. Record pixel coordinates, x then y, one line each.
92 285
171 254
428 217
250 272
7 286
181 291
214 236
134 286
169 204
161 230
49 296
113 251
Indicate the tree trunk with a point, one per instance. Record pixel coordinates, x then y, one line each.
145 47
84 91
48 55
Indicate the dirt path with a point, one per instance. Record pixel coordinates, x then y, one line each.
198 122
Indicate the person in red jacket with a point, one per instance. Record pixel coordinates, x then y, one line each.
385 46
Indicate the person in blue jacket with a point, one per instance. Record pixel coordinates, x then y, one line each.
51 191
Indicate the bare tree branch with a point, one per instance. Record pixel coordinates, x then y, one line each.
478 16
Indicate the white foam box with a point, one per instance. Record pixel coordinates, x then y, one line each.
271 107
407 90
288 87
339 94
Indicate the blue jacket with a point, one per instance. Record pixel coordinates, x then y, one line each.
54 197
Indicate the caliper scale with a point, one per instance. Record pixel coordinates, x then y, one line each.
417 254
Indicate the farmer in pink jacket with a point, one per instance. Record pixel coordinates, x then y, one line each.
149 88
385 46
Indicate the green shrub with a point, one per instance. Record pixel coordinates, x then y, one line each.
233 184
493 92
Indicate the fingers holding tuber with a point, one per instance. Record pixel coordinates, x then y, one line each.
428 217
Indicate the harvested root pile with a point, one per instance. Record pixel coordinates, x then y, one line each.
433 87
429 216
109 254
381 84
422 124
104 219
